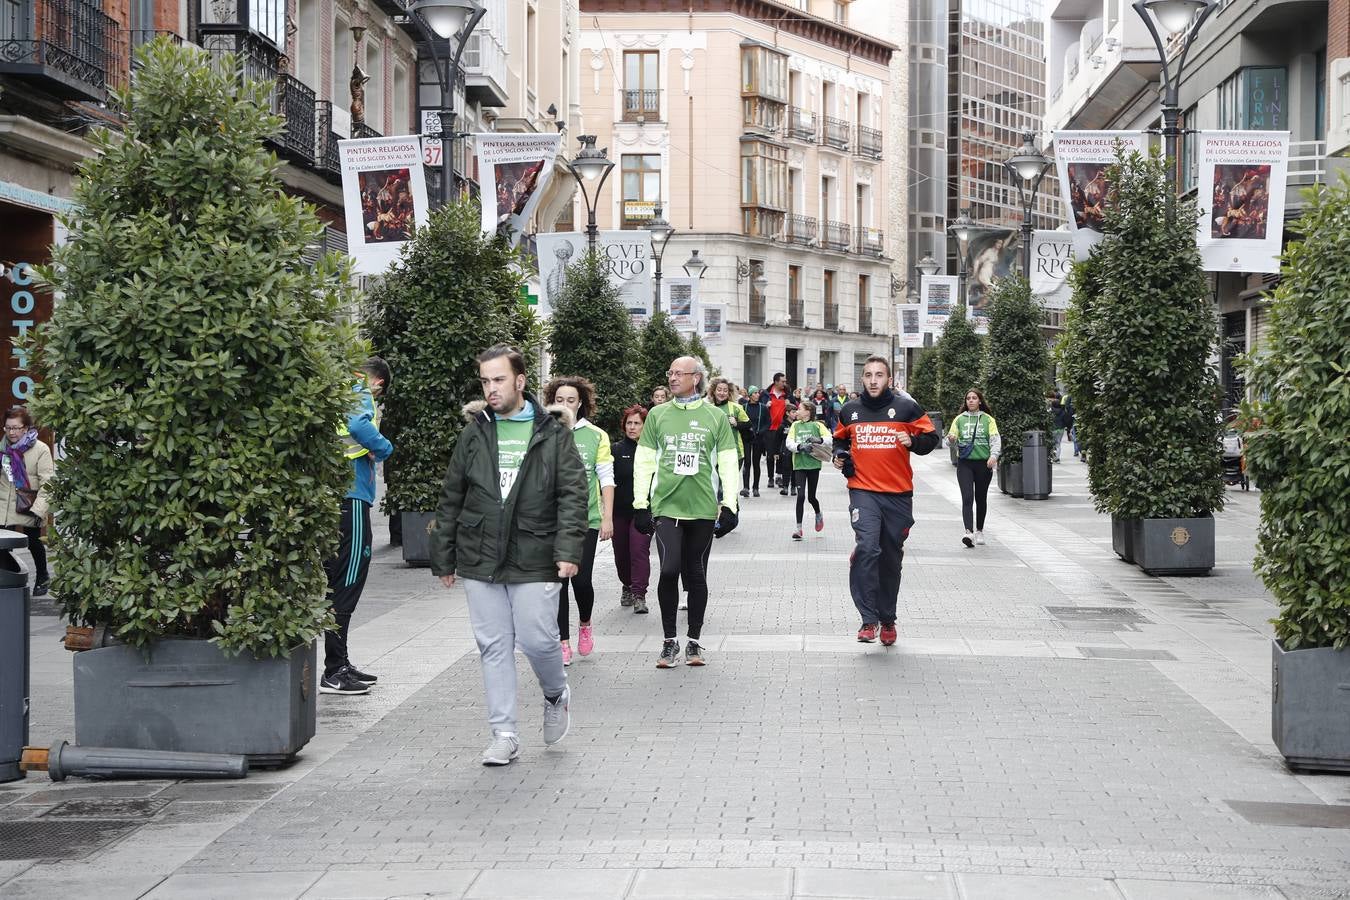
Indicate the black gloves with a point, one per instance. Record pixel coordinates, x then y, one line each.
726 523
848 462
642 521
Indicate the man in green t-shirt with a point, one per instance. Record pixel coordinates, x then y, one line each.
685 452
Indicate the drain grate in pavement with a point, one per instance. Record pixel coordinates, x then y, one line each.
1297 815
57 839
1098 618
1123 653
107 808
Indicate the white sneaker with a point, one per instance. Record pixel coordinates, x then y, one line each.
979 538
557 717
502 750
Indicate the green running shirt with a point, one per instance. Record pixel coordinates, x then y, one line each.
513 439
800 431
680 446
596 456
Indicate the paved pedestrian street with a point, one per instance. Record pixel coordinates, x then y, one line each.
1052 723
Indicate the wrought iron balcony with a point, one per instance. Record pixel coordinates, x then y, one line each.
326 159
68 47
869 142
294 102
837 236
257 58
835 132
801 124
362 130
871 241
796 311
864 319
831 315
801 230
757 308
641 104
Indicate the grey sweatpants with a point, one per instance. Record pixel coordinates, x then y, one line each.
506 616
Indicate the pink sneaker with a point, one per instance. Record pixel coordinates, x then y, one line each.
585 641
567 653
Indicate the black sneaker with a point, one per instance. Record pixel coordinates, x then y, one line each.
755 492
640 606
341 682
745 493
626 598
40 588
784 492
693 655
670 655
361 676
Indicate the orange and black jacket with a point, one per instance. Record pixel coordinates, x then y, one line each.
870 429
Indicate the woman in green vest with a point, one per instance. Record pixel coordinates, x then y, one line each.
804 433
977 445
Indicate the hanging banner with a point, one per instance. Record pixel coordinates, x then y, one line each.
992 254
679 298
1241 199
1051 262
1082 158
714 316
626 255
515 169
937 294
909 324
384 195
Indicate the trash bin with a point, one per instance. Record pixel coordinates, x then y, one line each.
14 598
936 418
1035 466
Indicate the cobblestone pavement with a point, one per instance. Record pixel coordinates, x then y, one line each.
1052 723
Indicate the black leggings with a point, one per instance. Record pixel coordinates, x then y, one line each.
974 475
581 583
806 479
683 547
751 462
773 447
38 552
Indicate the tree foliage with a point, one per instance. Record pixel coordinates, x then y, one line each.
960 356
453 293
592 336
1075 352
661 344
1298 443
923 381
1017 364
196 371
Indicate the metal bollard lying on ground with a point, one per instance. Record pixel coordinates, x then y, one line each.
63 760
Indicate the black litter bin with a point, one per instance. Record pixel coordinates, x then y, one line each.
14 600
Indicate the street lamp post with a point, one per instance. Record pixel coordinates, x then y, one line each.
694 266
439 20
660 230
961 228
1173 16
590 166
1027 167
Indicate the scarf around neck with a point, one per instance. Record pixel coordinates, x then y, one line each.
13 458
880 402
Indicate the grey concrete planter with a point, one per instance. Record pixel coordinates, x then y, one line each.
1310 707
1010 478
416 547
187 695
1122 538
1174 546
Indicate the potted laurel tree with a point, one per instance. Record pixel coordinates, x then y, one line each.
1298 445
1157 422
453 292
923 386
1014 379
592 335
960 357
195 370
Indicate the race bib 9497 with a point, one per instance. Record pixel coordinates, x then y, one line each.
686 462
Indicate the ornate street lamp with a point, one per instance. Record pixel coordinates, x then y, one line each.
590 166
442 20
1027 167
694 266
961 228
660 230
928 265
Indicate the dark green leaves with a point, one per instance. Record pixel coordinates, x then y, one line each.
960 354
592 336
1018 363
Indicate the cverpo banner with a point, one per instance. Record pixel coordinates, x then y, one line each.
1081 159
714 316
625 254
937 294
516 170
1051 262
679 298
1241 199
909 324
384 195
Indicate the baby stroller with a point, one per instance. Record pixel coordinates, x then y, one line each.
1234 466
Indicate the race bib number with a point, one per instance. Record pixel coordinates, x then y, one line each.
508 479
686 462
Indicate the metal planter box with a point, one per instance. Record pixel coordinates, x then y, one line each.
416 546
1174 546
1310 707
1122 538
187 695
1010 478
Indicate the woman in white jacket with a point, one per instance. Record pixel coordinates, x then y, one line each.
25 468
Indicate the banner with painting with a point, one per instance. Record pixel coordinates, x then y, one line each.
384 197
937 295
679 298
515 169
714 316
1051 262
626 255
909 324
991 254
1242 176
1082 158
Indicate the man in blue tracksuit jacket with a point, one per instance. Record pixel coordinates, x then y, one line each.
363 446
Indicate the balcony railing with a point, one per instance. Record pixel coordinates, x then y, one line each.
871 241
831 315
796 311
362 130
801 124
834 132
864 319
257 57
485 69
801 230
757 308
1307 166
641 104
869 142
294 102
70 46
326 158
837 236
